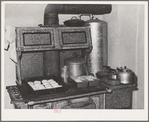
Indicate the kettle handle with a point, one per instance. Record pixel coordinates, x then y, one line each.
90 15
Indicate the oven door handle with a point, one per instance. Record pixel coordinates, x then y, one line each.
80 105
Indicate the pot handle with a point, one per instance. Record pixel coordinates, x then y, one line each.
90 15
74 18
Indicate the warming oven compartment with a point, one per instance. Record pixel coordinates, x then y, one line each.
40 50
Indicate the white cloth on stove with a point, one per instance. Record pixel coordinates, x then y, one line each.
10 42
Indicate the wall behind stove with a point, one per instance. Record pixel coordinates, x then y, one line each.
125 36
126 43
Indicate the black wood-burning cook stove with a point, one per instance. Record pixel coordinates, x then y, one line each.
41 54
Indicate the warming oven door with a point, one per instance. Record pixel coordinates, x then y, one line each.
74 37
35 38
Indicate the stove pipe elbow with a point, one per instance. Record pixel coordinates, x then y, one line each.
52 10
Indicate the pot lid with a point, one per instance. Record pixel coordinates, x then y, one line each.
74 22
74 61
125 69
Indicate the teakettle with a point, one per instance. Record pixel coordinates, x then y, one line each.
125 75
122 75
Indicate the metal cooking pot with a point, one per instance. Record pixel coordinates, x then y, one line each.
74 22
125 75
76 66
